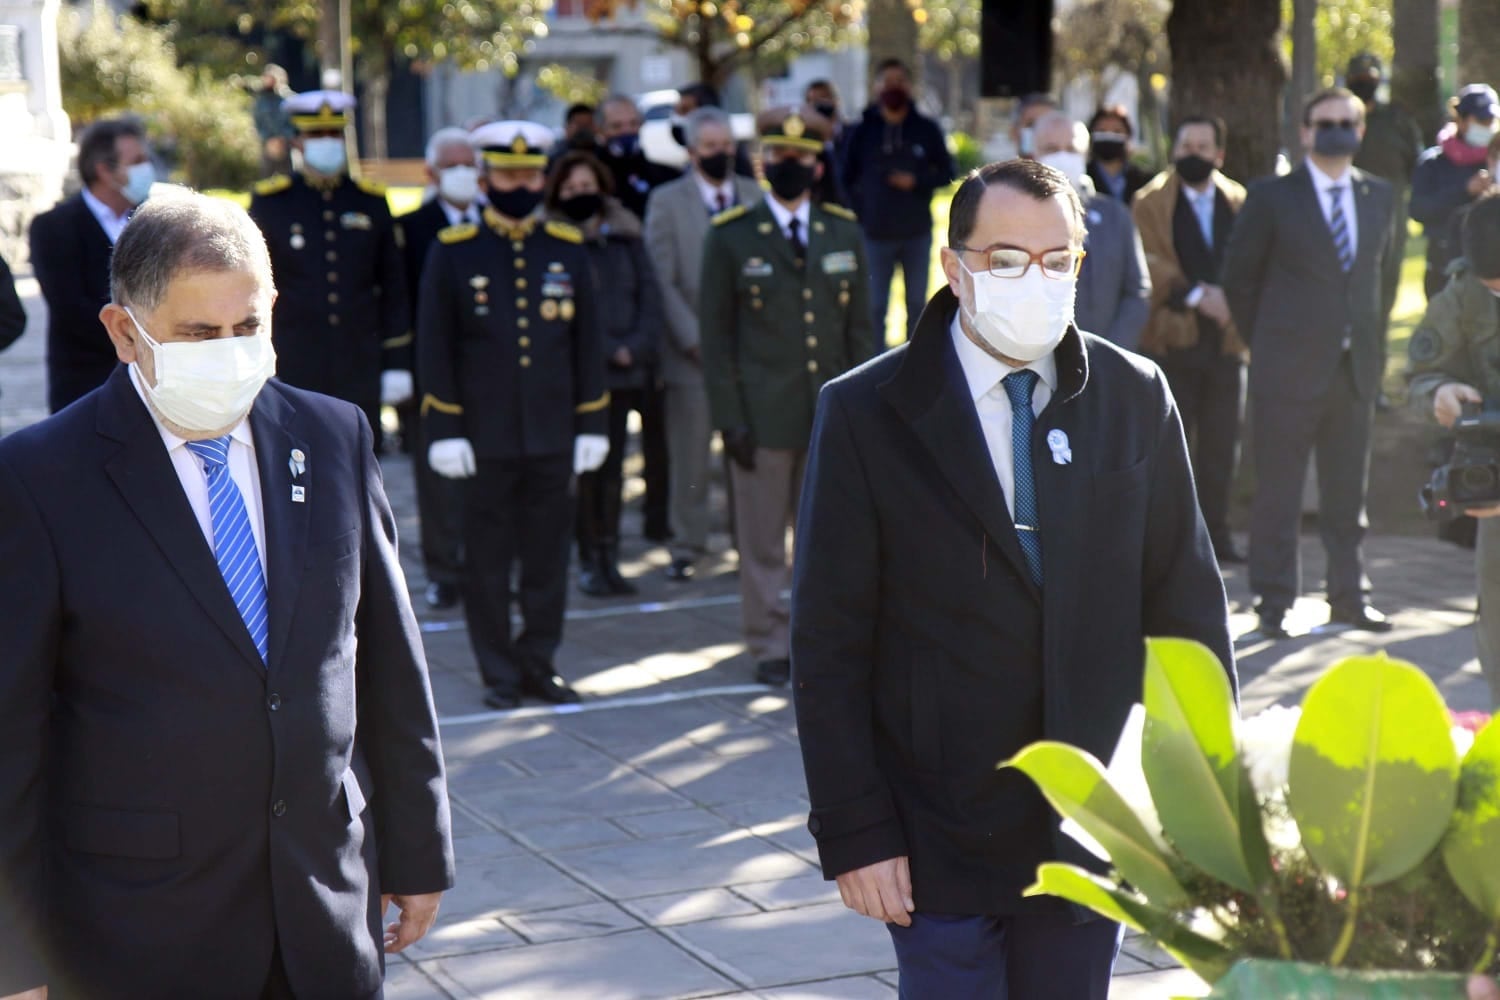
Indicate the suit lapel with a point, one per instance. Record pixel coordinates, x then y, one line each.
1310 206
1368 234
146 478
286 518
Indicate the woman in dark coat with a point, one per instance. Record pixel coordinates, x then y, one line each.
579 192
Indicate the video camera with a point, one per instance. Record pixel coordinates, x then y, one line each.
1471 478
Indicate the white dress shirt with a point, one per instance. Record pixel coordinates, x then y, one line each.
458 215
112 224
242 470
784 216
711 193
1321 183
984 374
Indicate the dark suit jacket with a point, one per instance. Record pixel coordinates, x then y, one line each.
70 257
174 807
419 231
1292 302
922 654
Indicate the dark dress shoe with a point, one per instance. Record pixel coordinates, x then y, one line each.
1364 618
441 596
773 672
681 570
550 688
501 700
592 581
1273 624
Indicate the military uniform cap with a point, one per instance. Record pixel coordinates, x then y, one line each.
797 128
319 110
514 145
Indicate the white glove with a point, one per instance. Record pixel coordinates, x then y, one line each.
589 452
395 387
452 458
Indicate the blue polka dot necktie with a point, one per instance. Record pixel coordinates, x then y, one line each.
234 542
1018 386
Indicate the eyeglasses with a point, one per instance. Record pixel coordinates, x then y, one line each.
1326 124
1010 262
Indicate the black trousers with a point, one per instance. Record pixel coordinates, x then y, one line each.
517 511
650 403
440 508
600 491
1210 393
1285 430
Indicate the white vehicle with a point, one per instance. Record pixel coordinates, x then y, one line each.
658 115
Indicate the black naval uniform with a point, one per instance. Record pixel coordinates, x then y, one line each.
341 315
512 360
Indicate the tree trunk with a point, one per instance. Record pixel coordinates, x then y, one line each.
1478 41
1414 76
1225 62
892 35
377 89
335 53
1304 79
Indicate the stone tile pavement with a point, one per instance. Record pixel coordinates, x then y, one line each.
651 842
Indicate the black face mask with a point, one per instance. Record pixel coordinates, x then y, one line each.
581 207
517 204
1194 169
789 179
715 167
1109 150
1336 142
829 111
1364 89
624 146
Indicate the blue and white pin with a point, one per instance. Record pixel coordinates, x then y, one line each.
298 464
1062 452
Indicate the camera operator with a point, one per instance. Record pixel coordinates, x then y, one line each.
1454 361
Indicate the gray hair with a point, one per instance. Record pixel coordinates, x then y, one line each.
699 117
619 99
1079 129
183 232
450 136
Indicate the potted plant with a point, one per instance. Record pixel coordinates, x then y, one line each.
1348 849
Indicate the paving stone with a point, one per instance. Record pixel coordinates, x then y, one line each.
406 982
484 846
687 907
450 937
1157 985
853 988
792 946
782 894
711 780
559 798
511 885
589 920
639 965
645 868
574 834
674 823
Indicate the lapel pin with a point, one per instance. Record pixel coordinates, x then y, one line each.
297 463
299 494
1057 440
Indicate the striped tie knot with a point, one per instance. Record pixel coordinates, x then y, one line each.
214 452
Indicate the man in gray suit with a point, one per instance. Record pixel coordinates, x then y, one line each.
677 221
1302 275
1114 284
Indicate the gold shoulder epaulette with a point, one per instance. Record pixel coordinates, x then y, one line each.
840 211
459 233
730 214
563 231
370 187
273 185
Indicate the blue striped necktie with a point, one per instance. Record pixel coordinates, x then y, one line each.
1018 386
1340 227
234 542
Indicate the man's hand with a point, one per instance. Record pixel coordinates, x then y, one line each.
417 915
1483 512
739 444
1480 183
881 891
901 180
1483 988
1448 402
1214 305
40 993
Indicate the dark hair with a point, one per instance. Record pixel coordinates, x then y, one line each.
891 62
821 83
1113 111
564 166
705 95
1032 100
1213 121
1329 94
575 110
98 145
1481 237
1027 176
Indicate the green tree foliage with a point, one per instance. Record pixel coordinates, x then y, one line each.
949 31
112 66
1344 30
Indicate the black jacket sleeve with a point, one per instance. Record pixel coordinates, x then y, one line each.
438 328
590 397
395 302
12 314
1246 258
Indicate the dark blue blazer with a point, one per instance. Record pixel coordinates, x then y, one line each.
172 807
70 257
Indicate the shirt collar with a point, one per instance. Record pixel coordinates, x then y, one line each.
457 215
784 216
1322 182
103 212
983 372
240 433
710 192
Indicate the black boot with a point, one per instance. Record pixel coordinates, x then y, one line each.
609 565
592 580
609 537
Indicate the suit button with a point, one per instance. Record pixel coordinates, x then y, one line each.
524 341
329 234
333 320
807 294
278 808
327 195
754 289
522 323
808 317
517 246
273 701
520 263
812 366
327 215
814 825
333 277
333 298
812 341
525 361
755 304
330 256
521 303
520 284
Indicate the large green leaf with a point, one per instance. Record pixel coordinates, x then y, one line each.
1258 979
1205 957
1075 783
1374 774
1192 763
1473 843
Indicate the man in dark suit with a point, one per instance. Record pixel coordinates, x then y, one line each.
219 756
452 168
1302 274
70 246
994 517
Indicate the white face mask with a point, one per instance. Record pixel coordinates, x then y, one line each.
138 180
326 154
459 185
1021 318
207 385
1070 164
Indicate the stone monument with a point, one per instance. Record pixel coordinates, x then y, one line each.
38 146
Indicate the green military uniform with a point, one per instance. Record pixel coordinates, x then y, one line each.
783 307
1458 340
